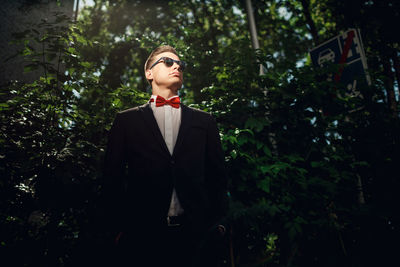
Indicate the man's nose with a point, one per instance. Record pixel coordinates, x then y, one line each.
176 66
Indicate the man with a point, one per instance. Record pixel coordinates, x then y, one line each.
164 176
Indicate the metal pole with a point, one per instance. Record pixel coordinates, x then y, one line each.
256 45
253 29
76 10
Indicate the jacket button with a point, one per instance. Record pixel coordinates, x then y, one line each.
172 161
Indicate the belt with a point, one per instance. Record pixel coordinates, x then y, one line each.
175 220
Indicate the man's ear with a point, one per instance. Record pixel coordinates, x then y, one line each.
149 74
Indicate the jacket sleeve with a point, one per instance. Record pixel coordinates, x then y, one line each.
113 175
216 178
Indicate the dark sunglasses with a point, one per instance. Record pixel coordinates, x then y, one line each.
169 62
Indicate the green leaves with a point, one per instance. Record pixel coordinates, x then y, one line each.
3 106
264 185
30 67
257 124
294 153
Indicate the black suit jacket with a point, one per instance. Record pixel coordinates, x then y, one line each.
140 173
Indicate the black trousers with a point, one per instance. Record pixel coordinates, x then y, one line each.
175 246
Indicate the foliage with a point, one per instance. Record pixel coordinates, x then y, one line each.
294 169
297 148
53 138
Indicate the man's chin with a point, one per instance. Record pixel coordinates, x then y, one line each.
176 86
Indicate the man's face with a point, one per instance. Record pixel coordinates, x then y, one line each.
164 76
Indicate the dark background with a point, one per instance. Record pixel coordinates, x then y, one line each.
313 175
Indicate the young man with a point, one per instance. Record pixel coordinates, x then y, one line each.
164 174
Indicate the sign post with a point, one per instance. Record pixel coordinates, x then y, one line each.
346 50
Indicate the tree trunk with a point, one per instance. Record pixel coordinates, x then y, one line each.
389 84
310 22
396 66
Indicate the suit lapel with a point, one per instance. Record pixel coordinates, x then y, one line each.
151 123
186 118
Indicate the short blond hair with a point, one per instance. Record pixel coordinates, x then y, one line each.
161 49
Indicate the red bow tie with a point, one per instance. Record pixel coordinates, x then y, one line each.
161 101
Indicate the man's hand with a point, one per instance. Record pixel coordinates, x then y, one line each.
117 238
221 229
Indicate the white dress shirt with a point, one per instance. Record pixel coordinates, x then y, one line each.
169 122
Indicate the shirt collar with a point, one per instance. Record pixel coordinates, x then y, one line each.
155 97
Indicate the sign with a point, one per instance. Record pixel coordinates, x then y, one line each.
346 50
